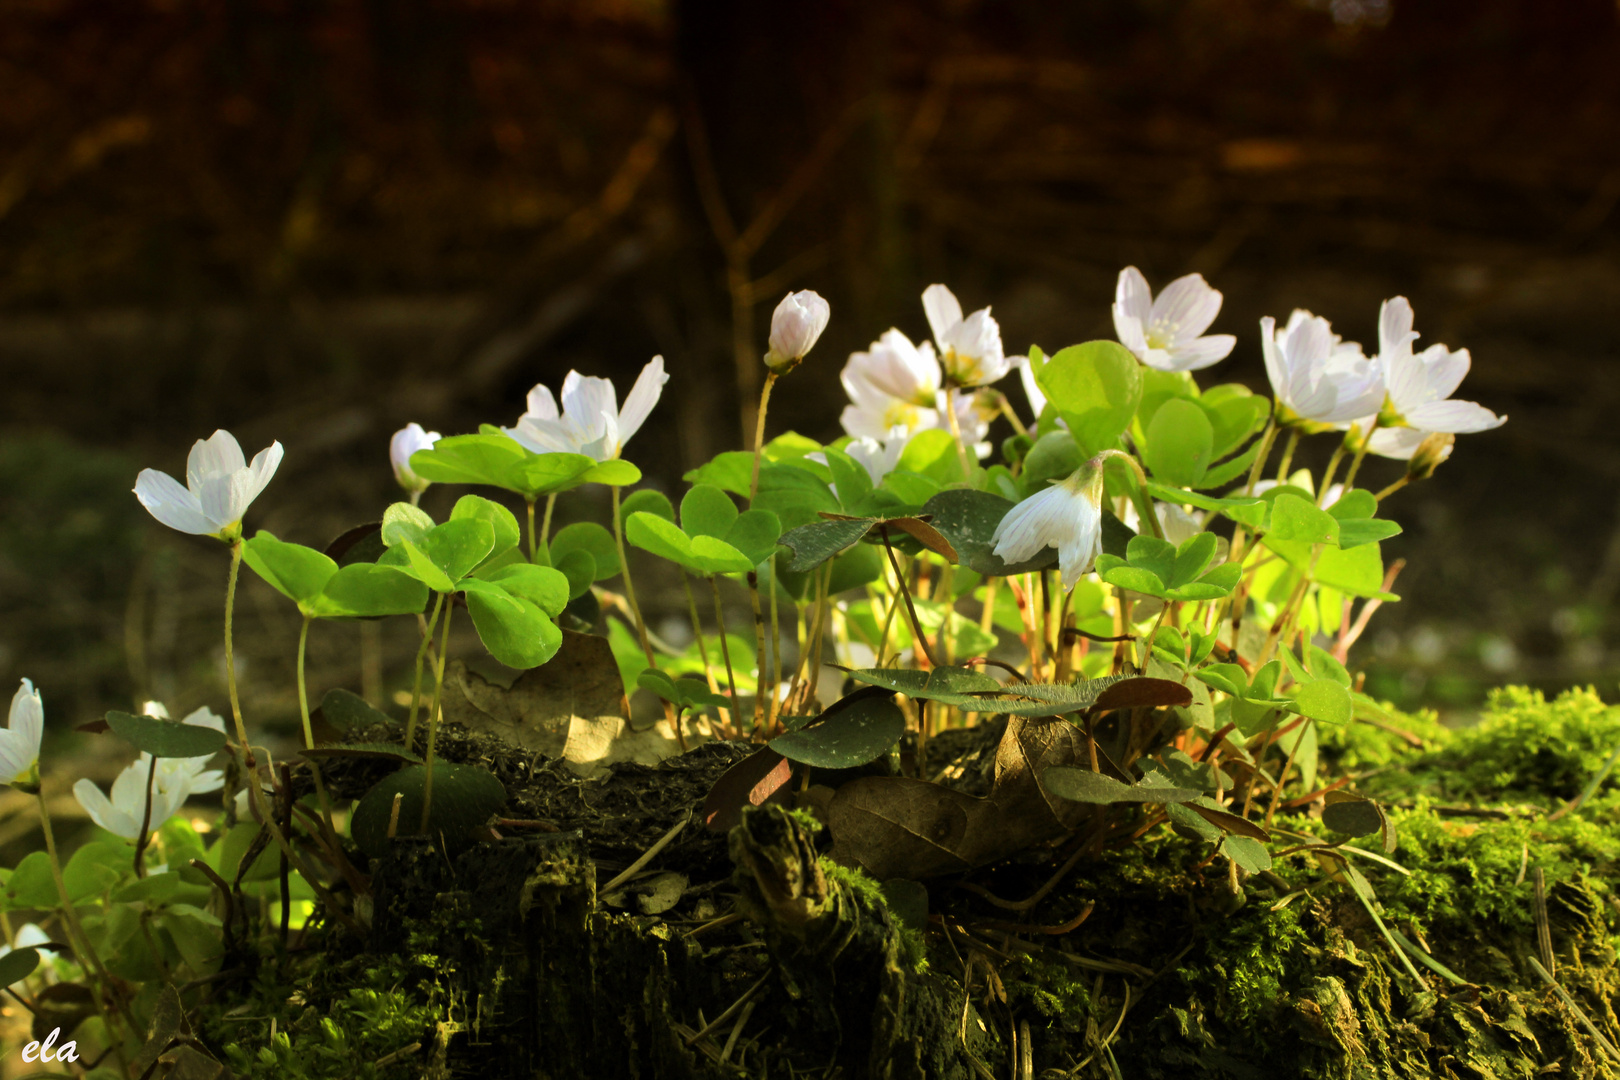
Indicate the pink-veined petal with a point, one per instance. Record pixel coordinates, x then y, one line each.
1200 352
944 311
172 504
1455 417
1132 298
638 404
1183 310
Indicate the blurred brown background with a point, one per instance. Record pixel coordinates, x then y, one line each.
314 222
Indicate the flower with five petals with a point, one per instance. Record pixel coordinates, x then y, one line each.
1320 381
969 348
1165 333
220 485
590 421
176 780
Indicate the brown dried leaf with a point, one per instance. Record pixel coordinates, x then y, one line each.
572 707
1027 749
1142 693
894 826
759 778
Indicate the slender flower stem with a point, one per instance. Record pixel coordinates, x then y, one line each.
1012 418
956 433
776 651
146 822
1147 655
1282 777
309 729
248 765
1288 455
759 433
725 650
1328 473
83 946
629 588
427 628
759 651
433 715
1393 488
823 603
1144 503
1355 463
545 522
918 635
703 648
1266 441
528 505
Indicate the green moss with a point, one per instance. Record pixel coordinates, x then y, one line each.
338 1017
913 949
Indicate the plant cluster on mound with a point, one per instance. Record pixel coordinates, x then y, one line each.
1130 627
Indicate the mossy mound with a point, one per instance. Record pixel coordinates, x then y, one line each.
1171 975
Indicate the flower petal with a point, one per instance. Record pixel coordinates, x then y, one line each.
541 403
219 455
224 499
1132 298
172 504
265 464
1200 352
585 398
1444 370
641 399
1455 417
103 812
1183 311
1032 391
944 311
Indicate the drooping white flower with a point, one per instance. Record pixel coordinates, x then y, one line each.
795 325
220 485
1066 516
407 441
590 422
1317 377
1420 386
969 348
176 780
19 741
1165 333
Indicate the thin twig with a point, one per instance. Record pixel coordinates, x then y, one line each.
648 855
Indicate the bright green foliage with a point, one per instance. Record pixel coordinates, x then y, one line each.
712 538
585 538
1156 567
498 460
1094 388
687 692
324 591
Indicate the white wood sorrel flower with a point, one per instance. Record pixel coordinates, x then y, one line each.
1319 379
220 486
176 780
970 348
19 741
1165 333
591 422
1066 516
407 441
795 325
1419 386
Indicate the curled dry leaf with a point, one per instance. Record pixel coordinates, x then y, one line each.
759 778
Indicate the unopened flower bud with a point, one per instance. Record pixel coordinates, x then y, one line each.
795 325
407 441
1429 455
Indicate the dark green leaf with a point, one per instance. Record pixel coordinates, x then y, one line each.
815 543
165 738
1352 815
707 511
592 538
18 964
847 735
653 502
941 683
1083 785
464 798
347 711
1250 854
580 569
968 519
755 533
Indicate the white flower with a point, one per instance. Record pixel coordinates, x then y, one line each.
894 385
1420 387
1177 525
1164 333
1066 516
1032 391
879 458
1318 379
795 325
177 779
19 741
970 348
407 441
220 485
591 422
